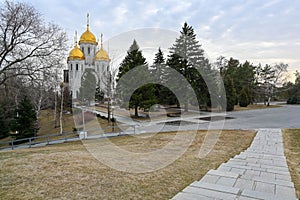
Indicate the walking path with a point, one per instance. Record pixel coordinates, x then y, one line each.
260 172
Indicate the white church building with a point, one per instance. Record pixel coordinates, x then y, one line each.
87 54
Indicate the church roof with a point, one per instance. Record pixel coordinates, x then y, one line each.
88 36
101 53
76 54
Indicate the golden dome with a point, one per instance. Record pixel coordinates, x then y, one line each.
76 54
88 36
102 55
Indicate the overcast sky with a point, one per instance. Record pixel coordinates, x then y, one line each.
256 30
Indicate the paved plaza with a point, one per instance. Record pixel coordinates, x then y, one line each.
260 172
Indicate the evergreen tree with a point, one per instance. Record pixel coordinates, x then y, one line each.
243 76
88 86
244 100
25 120
67 99
159 71
4 122
99 95
133 59
186 55
230 93
159 66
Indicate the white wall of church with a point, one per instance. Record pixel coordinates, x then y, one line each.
77 68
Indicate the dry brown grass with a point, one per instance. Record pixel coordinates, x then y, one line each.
68 171
254 107
47 123
292 151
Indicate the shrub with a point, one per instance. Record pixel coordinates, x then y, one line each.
292 100
244 98
230 93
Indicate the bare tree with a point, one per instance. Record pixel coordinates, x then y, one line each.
269 79
26 38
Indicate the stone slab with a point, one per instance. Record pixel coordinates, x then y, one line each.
190 196
209 193
222 173
216 187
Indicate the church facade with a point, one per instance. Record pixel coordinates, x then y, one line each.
87 54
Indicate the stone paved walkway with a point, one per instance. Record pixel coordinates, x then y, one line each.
260 172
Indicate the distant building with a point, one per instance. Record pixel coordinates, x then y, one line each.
86 55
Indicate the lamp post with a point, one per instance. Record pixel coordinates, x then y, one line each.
113 119
83 121
220 104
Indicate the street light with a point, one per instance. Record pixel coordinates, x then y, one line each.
113 119
83 121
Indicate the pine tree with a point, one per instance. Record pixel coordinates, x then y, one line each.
159 66
99 95
133 59
88 87
4 122
186 55
230 93
25 120
244 99
159 71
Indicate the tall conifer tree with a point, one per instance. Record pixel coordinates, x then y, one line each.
187 57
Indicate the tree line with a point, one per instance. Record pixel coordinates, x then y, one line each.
32 57
244 83
32 54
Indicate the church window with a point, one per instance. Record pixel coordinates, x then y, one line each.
71 66
89 50
76 67
82 49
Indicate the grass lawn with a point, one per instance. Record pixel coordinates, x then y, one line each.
68 171
292 151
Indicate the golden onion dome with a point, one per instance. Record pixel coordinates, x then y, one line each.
76 54
88 36
101 53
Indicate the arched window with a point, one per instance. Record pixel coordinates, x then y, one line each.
89 50
71 67
76 67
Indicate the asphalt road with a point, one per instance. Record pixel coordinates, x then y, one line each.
287 116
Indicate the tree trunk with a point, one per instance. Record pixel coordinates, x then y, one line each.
55 108
61 110
136 111
37 113
108 111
